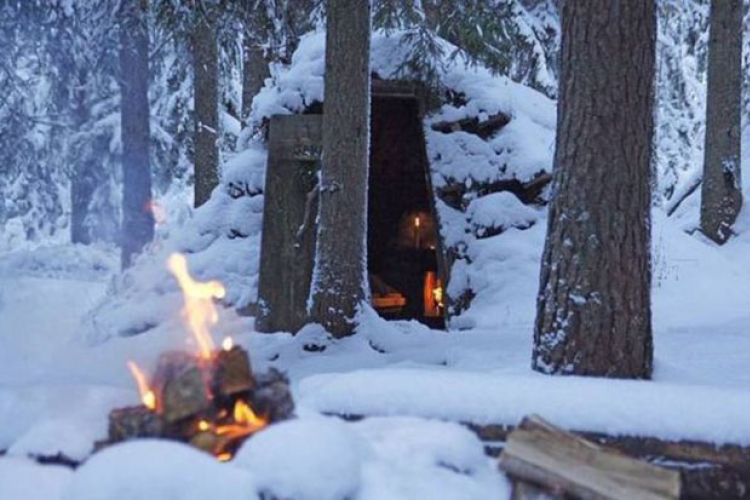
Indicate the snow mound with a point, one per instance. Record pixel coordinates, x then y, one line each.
56 437
419 458
161 470
21 478
316 459
221 241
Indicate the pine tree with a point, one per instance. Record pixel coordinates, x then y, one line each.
137 219
206 98
593 307
722 188
339 277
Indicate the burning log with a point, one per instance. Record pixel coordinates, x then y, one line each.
134 422
209 399
180 386
231 371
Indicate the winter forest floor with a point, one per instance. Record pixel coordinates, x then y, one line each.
56 390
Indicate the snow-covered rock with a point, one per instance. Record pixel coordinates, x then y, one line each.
316 459
159 470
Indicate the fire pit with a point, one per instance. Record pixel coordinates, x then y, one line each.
210 399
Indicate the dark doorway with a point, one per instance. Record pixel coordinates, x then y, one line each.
403 247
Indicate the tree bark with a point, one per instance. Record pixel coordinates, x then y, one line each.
593 308
137 217
722 186
254 73
339 277
84 181
206 96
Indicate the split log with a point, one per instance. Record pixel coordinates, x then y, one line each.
542 454
231 373
180 386
134 422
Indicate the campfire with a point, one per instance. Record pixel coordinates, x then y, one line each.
209 398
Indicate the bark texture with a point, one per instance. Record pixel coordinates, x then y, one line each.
84 180
254 72
137 216
593 308
722 188
339 278
206 74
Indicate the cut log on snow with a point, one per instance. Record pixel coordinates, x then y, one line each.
563 463
180 386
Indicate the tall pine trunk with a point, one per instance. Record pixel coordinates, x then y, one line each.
83 182
254 73
339 278
137 218
594 307
206 97
722 187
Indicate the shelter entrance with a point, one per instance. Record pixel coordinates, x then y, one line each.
406 278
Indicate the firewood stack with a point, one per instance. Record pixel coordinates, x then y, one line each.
213 403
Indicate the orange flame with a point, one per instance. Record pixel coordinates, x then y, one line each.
147 395
245 423
199 310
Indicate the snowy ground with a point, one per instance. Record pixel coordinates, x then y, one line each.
56 390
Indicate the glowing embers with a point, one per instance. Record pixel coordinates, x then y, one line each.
433 295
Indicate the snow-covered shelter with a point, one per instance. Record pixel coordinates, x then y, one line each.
472 162
449 172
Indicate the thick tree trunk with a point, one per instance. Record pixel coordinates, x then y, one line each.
137 218
206 74
339 278
593 308
254 73
722 187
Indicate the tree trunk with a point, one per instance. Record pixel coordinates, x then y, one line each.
254 73
722 187
593 308
137 218
206 74
84 179
339 278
